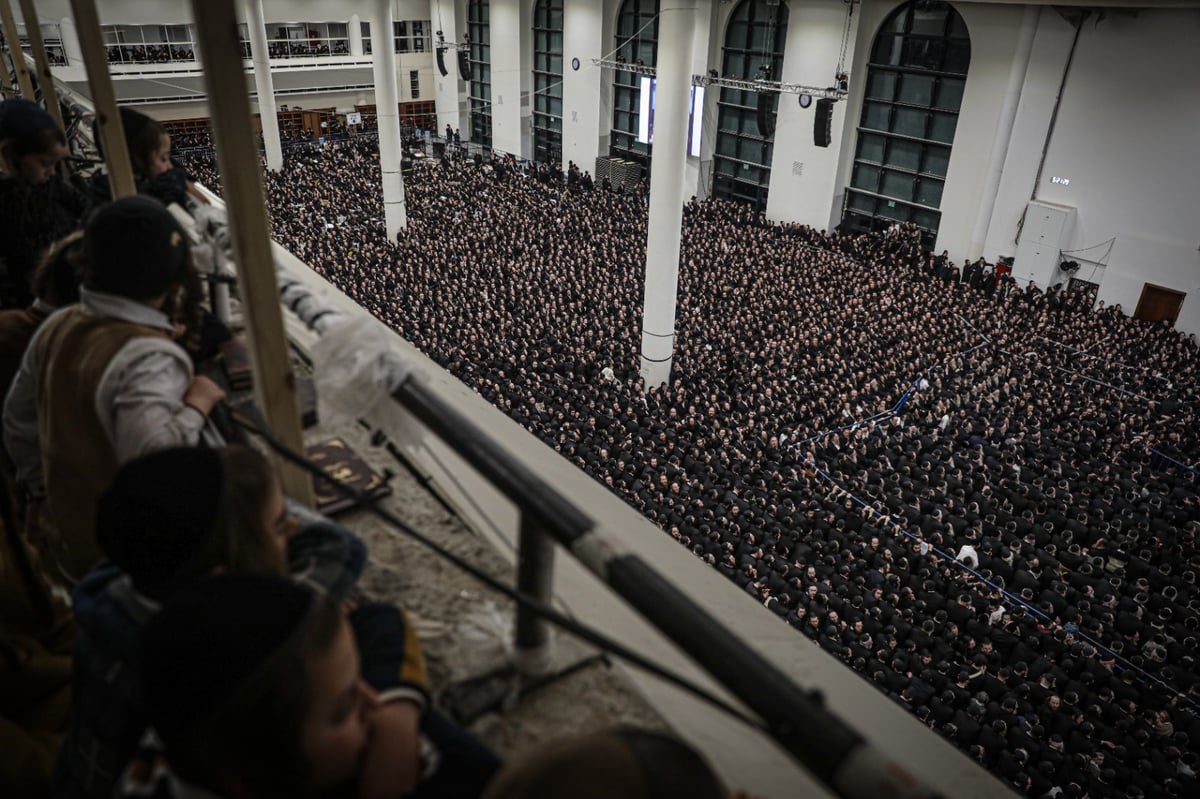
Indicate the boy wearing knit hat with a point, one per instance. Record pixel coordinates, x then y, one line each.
169 519
104 381
38 208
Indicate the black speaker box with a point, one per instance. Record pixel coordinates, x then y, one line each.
441 60
823 123
464 65
766 120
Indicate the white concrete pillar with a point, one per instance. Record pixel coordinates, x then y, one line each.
674 82
70 42
445 88
354 28
508 40
700 36
387 114
263 83
814 40
583 24
1008 116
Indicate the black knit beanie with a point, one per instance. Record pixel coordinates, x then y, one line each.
157 520
210 642
20 118
136 248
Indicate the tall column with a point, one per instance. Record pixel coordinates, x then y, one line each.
507 43
354 28
445 87
674 83
387 115
263 83
70 42
583 25
1008 117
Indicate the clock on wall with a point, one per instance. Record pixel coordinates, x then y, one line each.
575 64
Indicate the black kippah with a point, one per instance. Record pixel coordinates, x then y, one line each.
157 519
135 248
210 641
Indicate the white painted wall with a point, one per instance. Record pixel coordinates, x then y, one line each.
1126 138
1051 44
814 41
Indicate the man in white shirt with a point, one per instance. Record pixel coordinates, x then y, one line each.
104 381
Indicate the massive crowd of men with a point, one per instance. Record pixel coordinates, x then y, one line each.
975 494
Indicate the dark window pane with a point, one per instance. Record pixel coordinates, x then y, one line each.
958 56
950 93
916 90
910 122
876 115
870 147
905 154
929 192
897 184
887 50
881 84
928 21
937 160
943 127
862 202
865 177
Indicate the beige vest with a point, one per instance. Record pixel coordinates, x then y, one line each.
78 461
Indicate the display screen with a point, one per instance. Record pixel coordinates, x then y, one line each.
648 89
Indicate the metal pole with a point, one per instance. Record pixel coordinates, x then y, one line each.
535 576
263 82
225 84
45 80
14 50
104 99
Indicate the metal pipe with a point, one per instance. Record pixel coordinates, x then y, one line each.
33 28
535 577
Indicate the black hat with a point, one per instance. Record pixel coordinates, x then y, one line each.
195 660
136 248
20 118
156 522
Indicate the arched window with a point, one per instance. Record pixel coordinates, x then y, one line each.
754 44
547 80
481 72
636 43
915 79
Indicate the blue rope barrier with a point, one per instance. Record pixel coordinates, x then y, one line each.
1029 610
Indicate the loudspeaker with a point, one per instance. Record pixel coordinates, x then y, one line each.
464 65
766 121
441 60
823 123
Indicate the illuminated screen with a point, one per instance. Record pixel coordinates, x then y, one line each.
646 116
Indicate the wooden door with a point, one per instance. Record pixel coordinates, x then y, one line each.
1158 303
